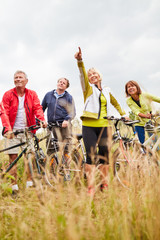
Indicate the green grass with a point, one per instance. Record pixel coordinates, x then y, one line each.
70 214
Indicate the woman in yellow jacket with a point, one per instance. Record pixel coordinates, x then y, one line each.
97 100
140 104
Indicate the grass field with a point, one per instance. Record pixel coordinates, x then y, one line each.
70 214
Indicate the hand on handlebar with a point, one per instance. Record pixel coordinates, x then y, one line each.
44 124
64 124
149 115
126 118
9 135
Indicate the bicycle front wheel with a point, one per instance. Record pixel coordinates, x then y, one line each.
121 169
134 165
59 170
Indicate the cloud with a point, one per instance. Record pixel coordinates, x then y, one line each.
119 37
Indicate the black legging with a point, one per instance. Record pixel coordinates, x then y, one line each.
90 138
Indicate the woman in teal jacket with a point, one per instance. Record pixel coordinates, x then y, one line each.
95 129
140 104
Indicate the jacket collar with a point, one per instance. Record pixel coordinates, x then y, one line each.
15 91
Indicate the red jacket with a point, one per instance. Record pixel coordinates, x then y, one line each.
31 104
4 119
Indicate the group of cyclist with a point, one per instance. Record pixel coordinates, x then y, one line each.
20 106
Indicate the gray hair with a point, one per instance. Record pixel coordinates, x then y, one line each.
20 71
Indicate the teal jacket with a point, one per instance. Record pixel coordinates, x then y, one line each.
145 100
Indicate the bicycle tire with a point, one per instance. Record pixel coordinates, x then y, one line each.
36 166
140 163
80 162
59 170
30 166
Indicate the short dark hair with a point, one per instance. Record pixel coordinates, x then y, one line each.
68 84
139 91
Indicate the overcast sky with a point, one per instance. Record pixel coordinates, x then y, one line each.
121 38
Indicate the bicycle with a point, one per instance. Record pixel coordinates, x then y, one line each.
131 160
64 164
33 152
152 127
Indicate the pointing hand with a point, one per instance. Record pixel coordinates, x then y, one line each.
78 54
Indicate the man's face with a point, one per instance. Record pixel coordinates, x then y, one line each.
62 84
20 80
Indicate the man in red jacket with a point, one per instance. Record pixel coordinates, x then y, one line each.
21 106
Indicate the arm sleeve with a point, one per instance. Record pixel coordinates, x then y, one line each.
37 108
6 103
115 103
151 97
84 78
133 106
4 119
44 104
71 110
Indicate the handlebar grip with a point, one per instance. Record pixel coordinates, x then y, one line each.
55 124
109 117
18 131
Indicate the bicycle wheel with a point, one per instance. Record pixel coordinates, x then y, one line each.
134 164
120 168
36 164
80 161
61 168
30 159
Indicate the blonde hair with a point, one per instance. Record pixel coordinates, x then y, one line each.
95 70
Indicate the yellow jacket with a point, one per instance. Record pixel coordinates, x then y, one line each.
145 100
92 97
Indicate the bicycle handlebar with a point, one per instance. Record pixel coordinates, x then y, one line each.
28 129
126 121
55 124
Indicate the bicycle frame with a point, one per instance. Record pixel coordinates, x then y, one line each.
24 151
117 138
154 140
60 164
79 149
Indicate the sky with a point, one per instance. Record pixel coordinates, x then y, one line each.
121 38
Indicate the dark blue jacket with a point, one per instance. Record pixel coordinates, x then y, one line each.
59 109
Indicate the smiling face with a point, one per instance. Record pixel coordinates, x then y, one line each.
94 77
20 80
132 89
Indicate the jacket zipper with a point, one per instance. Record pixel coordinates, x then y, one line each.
27 111
54 115
99 105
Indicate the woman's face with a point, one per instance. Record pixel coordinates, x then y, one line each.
131 89
93 77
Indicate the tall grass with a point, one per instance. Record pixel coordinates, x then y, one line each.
69 213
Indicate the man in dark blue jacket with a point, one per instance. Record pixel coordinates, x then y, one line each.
60 109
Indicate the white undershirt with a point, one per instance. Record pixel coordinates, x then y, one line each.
20 122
